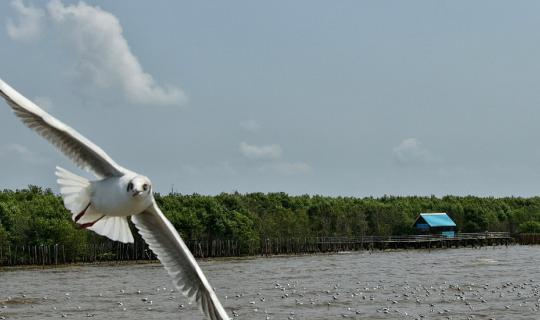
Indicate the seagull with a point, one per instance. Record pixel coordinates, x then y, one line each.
104 205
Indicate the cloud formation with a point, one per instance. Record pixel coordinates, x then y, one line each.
103 55
30 22
412 151
270 157
272 151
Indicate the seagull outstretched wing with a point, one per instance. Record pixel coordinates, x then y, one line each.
154 227
82 151
173 253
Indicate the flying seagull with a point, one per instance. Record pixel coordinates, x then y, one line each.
104 205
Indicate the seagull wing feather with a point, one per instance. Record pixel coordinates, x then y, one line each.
79 149
166 243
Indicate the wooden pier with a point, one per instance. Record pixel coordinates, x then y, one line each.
428 241
336 244
114 251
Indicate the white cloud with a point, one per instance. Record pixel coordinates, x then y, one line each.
272 157
412 151
30 22
251 126
103 55
272 151
20 152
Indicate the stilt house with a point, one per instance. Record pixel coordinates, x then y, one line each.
435 223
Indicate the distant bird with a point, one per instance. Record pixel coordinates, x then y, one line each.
104 205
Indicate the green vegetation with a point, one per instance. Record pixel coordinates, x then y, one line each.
35 216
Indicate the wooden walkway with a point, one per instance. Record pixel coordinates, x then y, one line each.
115 251
336 244
422 241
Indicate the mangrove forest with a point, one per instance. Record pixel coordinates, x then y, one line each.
35 217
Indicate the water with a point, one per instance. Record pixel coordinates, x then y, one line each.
488 283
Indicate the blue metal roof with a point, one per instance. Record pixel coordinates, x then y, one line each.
438 220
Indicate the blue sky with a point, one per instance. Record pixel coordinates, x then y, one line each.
352 98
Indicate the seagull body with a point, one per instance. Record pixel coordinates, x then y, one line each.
109 195
104 205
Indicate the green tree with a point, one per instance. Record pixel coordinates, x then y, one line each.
530 227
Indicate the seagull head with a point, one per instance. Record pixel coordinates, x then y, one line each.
139 186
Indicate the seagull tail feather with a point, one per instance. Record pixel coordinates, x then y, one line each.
113 227
75 191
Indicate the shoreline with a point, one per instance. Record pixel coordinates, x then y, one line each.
246 257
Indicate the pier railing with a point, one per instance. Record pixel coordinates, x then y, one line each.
421 238
138 251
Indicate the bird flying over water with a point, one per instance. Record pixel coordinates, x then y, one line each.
104 205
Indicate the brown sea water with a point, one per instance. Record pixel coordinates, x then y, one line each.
486 283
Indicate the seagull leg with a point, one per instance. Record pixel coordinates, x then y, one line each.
89 224
78 217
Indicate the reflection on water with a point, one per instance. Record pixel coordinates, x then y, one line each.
498 283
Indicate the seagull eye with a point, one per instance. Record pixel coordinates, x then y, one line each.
145 187
130 186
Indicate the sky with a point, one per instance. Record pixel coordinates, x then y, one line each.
346 98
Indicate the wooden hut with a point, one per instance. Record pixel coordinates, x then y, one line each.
435 223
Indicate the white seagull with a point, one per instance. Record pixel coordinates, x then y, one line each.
104 205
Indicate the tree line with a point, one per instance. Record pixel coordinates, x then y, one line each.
36 216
